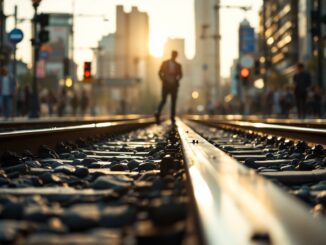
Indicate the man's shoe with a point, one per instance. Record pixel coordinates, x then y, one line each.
157 118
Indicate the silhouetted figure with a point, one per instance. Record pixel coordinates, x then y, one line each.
20 101
62 100
74 103
317 101
302 81
51 101
7 92
84 102
286 102
27 92
170 74
123 106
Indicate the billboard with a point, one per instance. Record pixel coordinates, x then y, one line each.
58 48
247 39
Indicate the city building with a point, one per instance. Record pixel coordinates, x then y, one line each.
285 35
132 42
122 62
280 33
207 60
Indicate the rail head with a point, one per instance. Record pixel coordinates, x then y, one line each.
310 135
237 206
21 140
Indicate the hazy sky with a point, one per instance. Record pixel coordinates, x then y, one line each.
174 18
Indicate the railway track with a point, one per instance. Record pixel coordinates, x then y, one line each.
131 182
23 124
298 167
308 132
306 123
114 187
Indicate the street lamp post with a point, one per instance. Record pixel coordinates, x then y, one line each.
35 109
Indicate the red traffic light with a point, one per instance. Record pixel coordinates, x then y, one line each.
87 69
244 72
87 74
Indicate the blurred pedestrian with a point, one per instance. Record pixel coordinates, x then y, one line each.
74 103
317 102
170 74
20 101
276 102
62 101
287 102
84 102
7 91
302 81
51 101
27 93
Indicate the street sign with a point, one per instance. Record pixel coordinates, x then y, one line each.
247 61
16 36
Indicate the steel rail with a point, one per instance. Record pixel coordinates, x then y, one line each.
64 121
237 206
311 135
21 140
311 123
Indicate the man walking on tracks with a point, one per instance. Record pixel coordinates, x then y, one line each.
170 74
302 81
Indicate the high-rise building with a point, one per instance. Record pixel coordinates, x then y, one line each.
281 34
286 36
122 62
132 42
106 57
207 59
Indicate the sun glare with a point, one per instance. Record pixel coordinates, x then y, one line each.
156 44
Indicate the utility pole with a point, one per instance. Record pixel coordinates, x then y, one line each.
35 109
14 66
320 46
266 56
217 40
2 33
72 58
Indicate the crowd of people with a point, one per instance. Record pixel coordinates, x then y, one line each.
15 100
302 99
65 102
278 102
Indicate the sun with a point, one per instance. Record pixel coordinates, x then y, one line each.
156 44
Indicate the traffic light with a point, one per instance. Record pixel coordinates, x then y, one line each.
244 73
87 70
257 67
315 23
44 21
66 67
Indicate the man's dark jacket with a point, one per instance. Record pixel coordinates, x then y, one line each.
302 81
170 78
